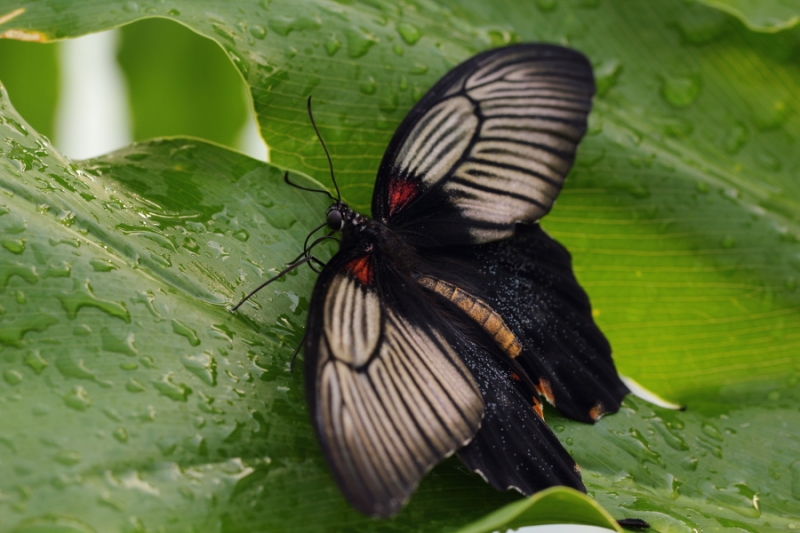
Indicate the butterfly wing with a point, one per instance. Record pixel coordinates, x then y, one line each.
488 146
389 396
514 447
528 280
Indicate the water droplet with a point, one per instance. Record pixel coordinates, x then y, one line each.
196 444
122 346
285 25
12 331
68 458
191 245
728 242
690 464
409 33
359 41
681 91
34 360
130 7
258 31
241 235
606 75
174 391
418 68
224 31
15 246
236 434
121 434
82 296
711 430
26 272
12 377
148 414
185 331
173 13
332 45
735 138
78 399
673 439
103 265
70 368
369 86
701 186
134 385
204 366
58 270
398 50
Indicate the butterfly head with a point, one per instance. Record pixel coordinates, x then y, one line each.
341 218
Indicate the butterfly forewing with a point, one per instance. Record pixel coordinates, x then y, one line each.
389 396
488 146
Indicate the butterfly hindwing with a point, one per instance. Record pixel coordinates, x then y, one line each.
528 280
488 146
514 447
389 396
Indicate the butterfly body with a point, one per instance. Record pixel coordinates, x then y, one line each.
443 319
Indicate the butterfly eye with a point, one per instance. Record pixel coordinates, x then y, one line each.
335 219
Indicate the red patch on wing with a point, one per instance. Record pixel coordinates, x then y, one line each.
401 192
361 269
515 376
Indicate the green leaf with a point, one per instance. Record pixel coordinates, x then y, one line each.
180 84
760 15
681 214
31 76
556 505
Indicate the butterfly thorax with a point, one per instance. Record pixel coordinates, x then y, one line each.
370 236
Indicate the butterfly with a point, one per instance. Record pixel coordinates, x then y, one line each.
445 319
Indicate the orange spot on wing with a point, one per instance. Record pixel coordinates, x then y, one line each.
543 388
401 192
361 269
596 412
537 406
515 376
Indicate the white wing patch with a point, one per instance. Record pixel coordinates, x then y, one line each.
503 138
439 139
352 321
387 421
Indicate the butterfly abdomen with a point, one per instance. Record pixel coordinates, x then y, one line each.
479 311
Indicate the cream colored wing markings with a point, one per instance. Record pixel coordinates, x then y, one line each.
353 320
388 420
503 139
438 141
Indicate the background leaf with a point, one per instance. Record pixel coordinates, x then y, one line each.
681 214
760 15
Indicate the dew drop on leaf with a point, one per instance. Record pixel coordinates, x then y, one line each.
409 33
680 91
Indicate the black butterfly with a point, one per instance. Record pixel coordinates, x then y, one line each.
443 318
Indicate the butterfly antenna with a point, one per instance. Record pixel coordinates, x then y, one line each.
280 274
296 186
327 154
296 351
